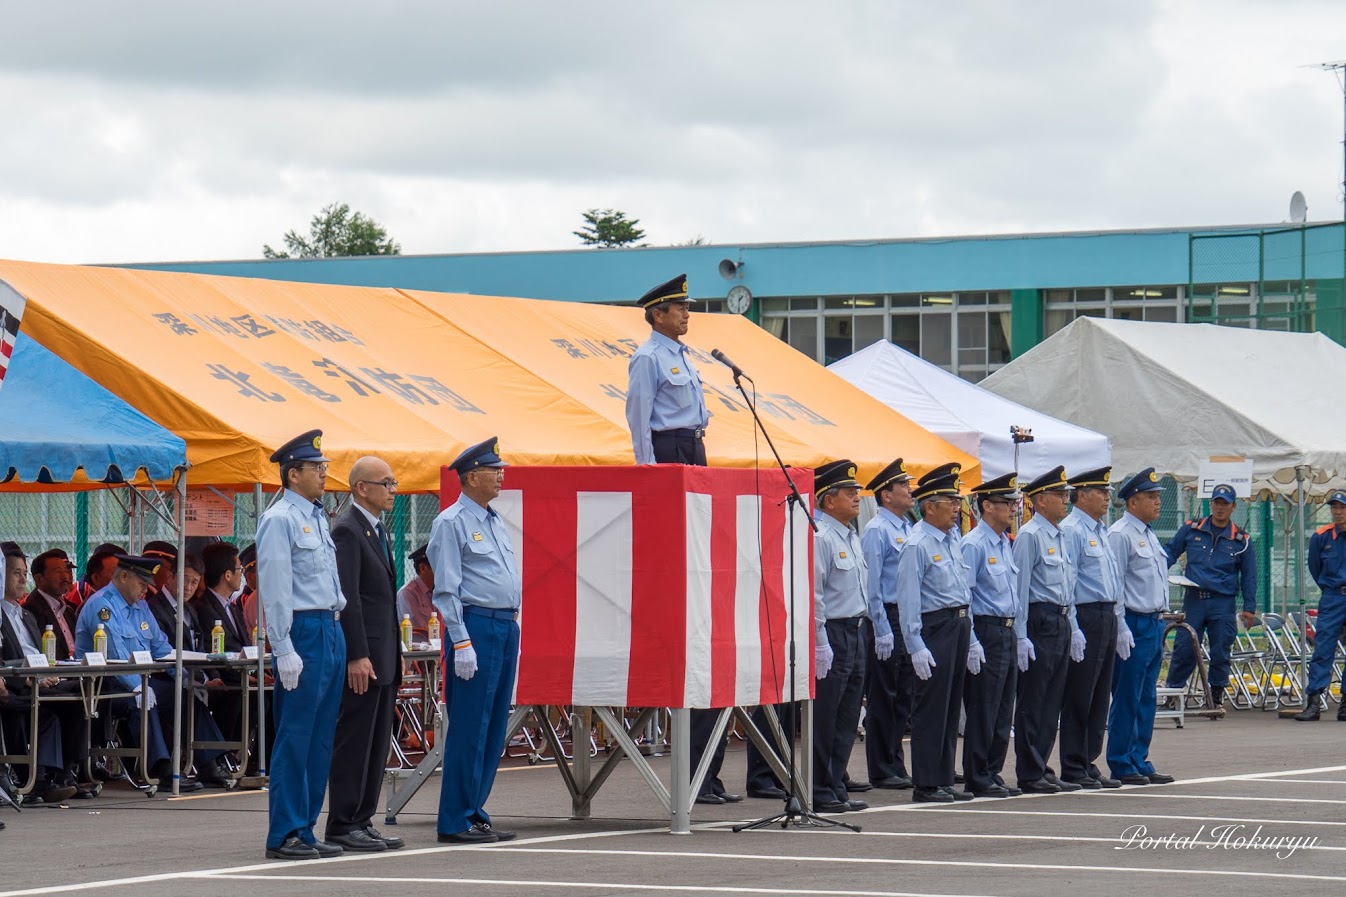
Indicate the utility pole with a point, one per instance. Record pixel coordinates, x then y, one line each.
1338 69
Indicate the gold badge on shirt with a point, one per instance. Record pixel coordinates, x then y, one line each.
144 626
1051 551
843 555
476 537
938 557
104 614
990 560
307 530
676 371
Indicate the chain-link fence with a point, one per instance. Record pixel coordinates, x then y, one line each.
78 522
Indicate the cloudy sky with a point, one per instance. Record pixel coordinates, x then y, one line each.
163 130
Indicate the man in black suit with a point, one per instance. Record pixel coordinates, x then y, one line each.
52 578
373 661
223 573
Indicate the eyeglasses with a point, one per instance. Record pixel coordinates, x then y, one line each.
321 468
389 484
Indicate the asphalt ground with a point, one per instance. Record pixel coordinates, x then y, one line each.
1244 782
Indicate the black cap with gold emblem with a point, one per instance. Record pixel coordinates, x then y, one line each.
893 473
1145 481
952 469
304 447
143 567
674 290
929 486
1008 486
834 475
484 454
1092 479
1053 480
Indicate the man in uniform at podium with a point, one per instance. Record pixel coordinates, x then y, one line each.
666 412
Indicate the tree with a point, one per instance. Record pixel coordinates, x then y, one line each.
336 231
608 228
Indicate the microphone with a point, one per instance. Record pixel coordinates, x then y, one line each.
724 360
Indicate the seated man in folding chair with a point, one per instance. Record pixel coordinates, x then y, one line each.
1327 566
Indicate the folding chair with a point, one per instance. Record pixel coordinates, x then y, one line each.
1247 671
1285 654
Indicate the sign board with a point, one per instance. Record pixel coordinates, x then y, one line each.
1236 472
209 514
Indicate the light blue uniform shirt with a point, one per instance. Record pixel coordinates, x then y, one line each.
881 543
992 574
839 575
296 565
473 559
663 393
129 628
931 575
1045 572
1144 565
1098 578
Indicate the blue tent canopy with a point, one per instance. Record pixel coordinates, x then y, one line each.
54 420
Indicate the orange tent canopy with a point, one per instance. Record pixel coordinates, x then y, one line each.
238 366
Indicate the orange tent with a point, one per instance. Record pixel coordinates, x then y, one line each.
238 366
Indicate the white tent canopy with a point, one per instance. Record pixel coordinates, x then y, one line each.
1172 395
968 416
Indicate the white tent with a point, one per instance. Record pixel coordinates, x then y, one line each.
1172 395
968 416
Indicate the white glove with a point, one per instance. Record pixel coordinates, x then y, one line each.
976 655
141 694
923 662
288 667
1026 654
883 646
1125 641
822 661
465 661
1077 646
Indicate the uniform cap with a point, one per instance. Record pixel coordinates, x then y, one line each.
1053 480
674 290
1337 498
929 486
834 475
953 468
1145 481
304 447
1223 491
893 473
1100 478
483 454
1007 485
166 551
418 556
143 567
248 556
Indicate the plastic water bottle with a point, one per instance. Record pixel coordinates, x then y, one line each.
432 628
217 639
406 632
49 644
100 641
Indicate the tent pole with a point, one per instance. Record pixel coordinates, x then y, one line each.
261 642
178 693
1300 473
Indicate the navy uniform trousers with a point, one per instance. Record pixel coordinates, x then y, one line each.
989 700
889 697
836 709
1041 690
478 712
306 716
1084 709
947 633
1131 719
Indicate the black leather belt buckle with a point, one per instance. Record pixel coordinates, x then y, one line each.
962 612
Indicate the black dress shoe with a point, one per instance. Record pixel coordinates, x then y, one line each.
1040 786
211 774
858 787
500 834
1013 792
709 798
292 849
53 793
327 849
186 784
730 798
1135 778
856 806
392 843
1059 783
1089 783
895 783
958 778
921 795
832 806
1158 778
471 836
356 840
1106 782
992 790
957 795
1311 710
767 793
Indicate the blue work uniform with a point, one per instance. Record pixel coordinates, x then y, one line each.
663 396
933 602
1098 586
1046 617
1223 564
988 697
301 597
478 592
1327 566
889 684
1144 569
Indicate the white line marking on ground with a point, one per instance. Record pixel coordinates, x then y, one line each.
1274 800
1242 777
885 861
1298 781
588 885
934 809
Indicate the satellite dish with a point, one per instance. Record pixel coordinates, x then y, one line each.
1299 209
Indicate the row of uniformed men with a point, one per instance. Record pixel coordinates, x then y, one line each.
1022 632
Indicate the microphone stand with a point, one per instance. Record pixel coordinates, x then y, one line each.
793 811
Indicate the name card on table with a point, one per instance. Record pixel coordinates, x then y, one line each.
36 660
249 652
434 643
95 659
141 657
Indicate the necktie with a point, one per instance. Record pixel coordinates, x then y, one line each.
383 540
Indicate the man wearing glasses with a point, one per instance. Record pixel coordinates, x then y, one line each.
301 598
373 663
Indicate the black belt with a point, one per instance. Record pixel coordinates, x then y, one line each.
1189 592
1149 615
498 613
944 613
683 433
1110 605
1062 609
1340 590
1007 622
